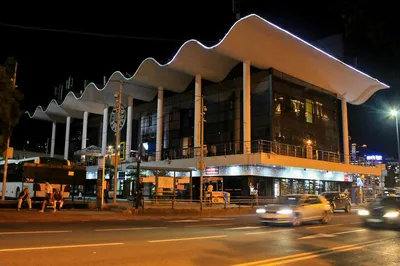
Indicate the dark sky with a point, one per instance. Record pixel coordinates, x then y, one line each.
48 58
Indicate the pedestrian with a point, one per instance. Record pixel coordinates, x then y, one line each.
48 189
24 196
139 194
57 197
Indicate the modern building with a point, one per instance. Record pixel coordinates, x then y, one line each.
275 117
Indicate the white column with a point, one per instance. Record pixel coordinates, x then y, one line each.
237 119
105 127
84 133
197 113
53 140
128 142
345 132
84 129
66 146
246 108
160 105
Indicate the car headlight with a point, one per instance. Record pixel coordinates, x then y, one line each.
285 211
260 211
391 215
363 212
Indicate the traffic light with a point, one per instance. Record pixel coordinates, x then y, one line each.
122 151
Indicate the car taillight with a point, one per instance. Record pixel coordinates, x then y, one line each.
67 188
37 187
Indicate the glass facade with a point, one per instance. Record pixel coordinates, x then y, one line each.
283 109
304 113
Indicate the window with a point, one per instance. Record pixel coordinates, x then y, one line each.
309 111
312 200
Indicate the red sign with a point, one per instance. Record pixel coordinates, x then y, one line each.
212 171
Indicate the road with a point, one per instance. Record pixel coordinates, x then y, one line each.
197 241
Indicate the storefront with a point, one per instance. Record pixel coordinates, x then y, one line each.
273 181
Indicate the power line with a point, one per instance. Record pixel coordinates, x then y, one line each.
95 34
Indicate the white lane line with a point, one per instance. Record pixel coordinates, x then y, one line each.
267 232
184 221
33 232
323 226
310 255
207 225
60 247
186 239
128 229
245 228
216 219
348 232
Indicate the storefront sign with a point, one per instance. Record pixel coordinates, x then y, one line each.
212 171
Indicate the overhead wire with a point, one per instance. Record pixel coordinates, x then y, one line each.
94 34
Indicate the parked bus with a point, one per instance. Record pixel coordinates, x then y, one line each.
33 172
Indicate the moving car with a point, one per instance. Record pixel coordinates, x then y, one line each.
385 213
295 209
338 201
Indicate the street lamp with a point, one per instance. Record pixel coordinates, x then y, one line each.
395 113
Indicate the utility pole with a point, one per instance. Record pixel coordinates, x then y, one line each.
201 163
118 99
3 193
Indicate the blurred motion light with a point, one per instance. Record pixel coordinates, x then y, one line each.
393 112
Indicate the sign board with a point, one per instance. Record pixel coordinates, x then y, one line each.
165 182
149 179
212 171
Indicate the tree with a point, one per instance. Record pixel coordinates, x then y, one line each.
10 98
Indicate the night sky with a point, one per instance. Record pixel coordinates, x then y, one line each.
150 29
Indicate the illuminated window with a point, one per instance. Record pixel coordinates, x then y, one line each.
297 106
309 111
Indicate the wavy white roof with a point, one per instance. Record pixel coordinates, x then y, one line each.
251 38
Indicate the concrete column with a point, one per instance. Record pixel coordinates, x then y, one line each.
345 126
246 108
105 127
84 132
197 113
128 143
66 146
160 105
237 119
53 140
84 129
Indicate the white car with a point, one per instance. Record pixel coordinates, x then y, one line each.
295 209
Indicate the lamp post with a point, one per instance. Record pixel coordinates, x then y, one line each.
395 113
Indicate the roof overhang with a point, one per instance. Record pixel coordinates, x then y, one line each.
251 38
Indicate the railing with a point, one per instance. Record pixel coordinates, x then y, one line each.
262 146
233 202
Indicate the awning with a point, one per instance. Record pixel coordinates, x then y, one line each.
251 38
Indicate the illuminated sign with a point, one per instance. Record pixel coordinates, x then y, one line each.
374 157
212 171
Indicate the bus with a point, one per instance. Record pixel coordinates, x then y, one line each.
34 172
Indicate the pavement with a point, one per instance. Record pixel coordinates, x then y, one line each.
218 240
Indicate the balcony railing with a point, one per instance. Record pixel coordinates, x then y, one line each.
260 146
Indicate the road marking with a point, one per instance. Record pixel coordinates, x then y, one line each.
356 223
216 219
310 255
207 225
184 221
60 247
186 239
128 229
267 232
331 235
316 236
245 228
33 232
348 232
323 226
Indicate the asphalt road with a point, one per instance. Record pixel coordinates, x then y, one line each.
197 241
